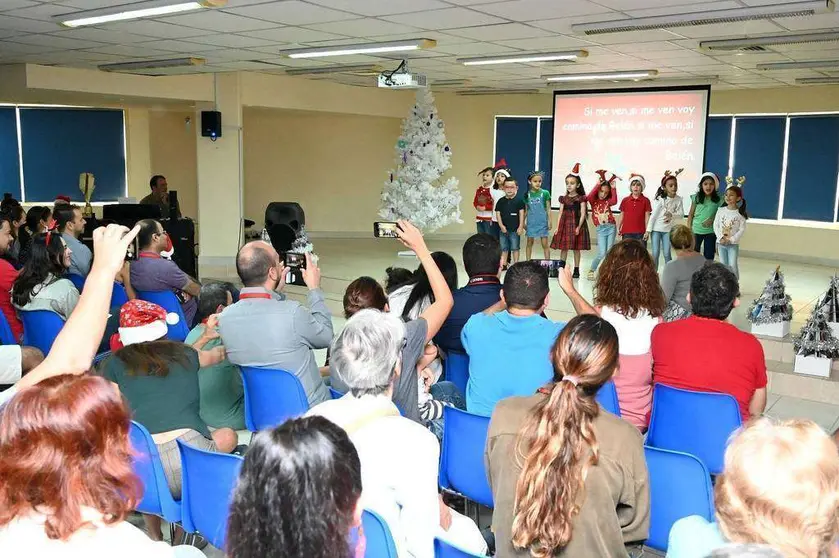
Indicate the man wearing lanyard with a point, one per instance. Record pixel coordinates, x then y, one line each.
482 259
265 330
152 273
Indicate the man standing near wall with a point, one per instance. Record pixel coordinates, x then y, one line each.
160 197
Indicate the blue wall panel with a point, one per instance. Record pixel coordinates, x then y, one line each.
759 156
9 161
812 167
515 141
546 148
718 145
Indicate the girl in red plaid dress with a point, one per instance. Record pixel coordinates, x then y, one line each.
572 231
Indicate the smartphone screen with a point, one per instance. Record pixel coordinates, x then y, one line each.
133 251
293 259
551 266
385 229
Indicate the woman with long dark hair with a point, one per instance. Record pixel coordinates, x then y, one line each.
312 463
568 478
40 285
37 221
412 297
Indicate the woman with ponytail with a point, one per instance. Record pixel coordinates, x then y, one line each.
568 478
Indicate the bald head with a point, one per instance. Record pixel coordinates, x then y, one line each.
254 263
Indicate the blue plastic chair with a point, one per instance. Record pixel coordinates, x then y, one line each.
462 456
607 396
40 328
169 302
157 499
77 280
119 296
335 393
380 543
7 337
693 422
271 397
457 369
680 486
442 549
208 482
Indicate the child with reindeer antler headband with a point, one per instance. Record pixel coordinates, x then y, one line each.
730 223
667 211
601 199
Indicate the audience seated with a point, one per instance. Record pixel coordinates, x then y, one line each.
704 352
159 379
399 458
677 273
37 220
264 329
151 272
508 348
482 260
312 463
68 486
396 277
17 217
41 285
627 295
568 479
417 393
71 226
8 276
220 385
780 487
412 298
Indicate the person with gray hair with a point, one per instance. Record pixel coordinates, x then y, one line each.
399 457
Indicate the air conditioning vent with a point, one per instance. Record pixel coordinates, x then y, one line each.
734 15
759 44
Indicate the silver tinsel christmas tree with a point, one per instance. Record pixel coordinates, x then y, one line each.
773 305
816 339
302 244
829 304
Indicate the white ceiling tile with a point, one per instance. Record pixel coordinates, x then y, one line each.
229 54
6 5
563 24
379 8
27 25
526 10
470 2
630 36
215 20
233 41
500 32
686 8
445 19
292 12
94 4
557 42
101 35
441 38
625 5
646 47
173 45
12 47
293 35
367 27
42 12
155 29
56 42
807 23
475 49
134 51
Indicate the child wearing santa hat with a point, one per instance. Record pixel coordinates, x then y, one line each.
703 210
499 177
635 210
572 230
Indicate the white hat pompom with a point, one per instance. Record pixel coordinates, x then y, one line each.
172 318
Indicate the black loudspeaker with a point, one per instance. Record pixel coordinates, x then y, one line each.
174 206
182 234
125 213
285 213
211 124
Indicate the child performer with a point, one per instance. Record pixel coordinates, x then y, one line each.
635 210
601 200
667 212
500 176
537 215
703 210
483 202
572 231
730 224
510 213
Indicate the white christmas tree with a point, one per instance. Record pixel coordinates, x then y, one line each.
414 190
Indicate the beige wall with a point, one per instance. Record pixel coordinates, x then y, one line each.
173 154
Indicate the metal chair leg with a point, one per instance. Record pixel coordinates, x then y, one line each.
171 534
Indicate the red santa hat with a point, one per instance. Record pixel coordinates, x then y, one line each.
62 200
170 249
141 321
575 170
635 176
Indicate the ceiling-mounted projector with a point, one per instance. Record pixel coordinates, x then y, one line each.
401 78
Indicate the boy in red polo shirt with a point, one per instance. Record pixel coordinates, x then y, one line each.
635 210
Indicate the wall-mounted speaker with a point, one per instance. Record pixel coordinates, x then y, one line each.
211 124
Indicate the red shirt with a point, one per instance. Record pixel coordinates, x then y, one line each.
8 274
633 210
701 354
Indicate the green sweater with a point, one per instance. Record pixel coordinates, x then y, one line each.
222 393
705 211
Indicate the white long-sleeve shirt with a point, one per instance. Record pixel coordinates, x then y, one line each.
730 222
664 208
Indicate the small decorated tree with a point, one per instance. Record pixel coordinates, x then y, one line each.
815 346
829 305
415 190
771 312
302 244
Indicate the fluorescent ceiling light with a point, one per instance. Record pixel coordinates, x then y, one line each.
472 92
367 48
134 11
151 64
786 9
459 82
818 81
596 76
361 69
809 64
524 58
757 43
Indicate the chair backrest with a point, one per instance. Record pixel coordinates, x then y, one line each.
7 337
380 543
462 455
335 393
208 482
157 499
607 396
170 303
680 486
271 397
693 422
442 549
40 328
119 296
77 280
457 369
